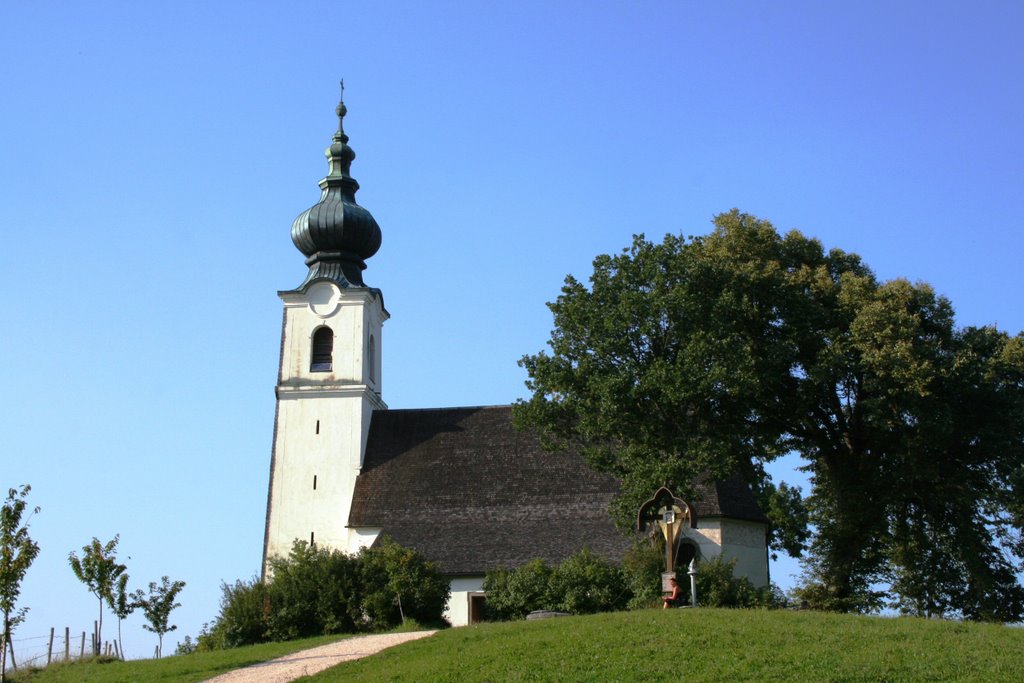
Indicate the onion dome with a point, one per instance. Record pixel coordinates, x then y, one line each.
336 234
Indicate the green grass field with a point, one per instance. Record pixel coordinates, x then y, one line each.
648 645
703 645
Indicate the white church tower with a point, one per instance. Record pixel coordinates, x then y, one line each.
329 381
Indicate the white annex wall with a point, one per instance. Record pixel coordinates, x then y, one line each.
735 539
457 611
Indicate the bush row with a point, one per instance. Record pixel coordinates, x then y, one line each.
586 583
316 591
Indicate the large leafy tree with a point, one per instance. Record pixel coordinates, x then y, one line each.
17 551
99 570
712 355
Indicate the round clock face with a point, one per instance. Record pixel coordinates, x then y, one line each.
323 298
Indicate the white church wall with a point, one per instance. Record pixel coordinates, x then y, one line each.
359 538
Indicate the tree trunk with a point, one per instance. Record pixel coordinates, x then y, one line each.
99 629
3 650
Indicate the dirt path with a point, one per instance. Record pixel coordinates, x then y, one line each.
308 662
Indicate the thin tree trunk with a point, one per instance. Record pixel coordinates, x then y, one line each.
99 629
3 652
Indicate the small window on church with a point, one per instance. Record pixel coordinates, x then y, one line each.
372 358
323 348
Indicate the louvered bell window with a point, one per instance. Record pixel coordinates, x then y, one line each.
323 346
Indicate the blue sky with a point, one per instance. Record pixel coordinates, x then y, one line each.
153 156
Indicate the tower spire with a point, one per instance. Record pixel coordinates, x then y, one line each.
336 234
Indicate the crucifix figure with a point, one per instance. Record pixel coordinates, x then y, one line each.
670 514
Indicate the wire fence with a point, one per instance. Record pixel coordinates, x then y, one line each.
59 645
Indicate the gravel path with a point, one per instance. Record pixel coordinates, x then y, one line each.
308 662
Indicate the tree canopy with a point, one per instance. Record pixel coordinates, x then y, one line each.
99 570
157 607
716 354
17 552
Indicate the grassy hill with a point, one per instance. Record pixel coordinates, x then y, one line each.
703 645
648 645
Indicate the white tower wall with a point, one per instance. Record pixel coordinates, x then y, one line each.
323 416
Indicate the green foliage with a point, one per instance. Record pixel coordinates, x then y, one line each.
641 569
718 586
583 584
244 617
99 570
713 355
586 584
121 604
398 583
321 591
512 594
186 647
157 606
17 552
314 591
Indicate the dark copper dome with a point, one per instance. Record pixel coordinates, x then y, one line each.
336 234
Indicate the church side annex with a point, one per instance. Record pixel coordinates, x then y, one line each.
461 485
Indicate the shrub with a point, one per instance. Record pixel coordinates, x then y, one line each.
586 584
641 568
316 591
313 591
244 617
514 594
583 584
718 587
400 583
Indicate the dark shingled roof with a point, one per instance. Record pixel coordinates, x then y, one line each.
472 493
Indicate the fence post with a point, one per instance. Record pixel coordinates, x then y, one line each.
67 644
49 649
81 653
10 644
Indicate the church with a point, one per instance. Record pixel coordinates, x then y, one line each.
460 485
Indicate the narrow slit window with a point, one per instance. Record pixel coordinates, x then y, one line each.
314 482
323 349
311 541
372 358
318 426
